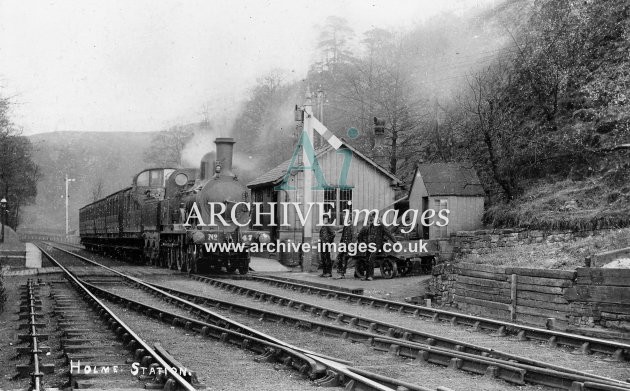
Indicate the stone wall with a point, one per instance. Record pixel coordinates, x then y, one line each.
441 286
484 241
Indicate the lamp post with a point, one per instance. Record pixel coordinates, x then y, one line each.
68 180
3 206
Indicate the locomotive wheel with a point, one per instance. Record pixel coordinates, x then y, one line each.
191 259
156 257
404 267
170 259
243 269
389 268
161 258
359 268
230 269
182 264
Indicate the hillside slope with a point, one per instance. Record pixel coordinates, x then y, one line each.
108 160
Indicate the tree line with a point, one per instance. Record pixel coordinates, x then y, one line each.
548 101
18 172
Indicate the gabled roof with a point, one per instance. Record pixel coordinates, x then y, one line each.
275 175
443 179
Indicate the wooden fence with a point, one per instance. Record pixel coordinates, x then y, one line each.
519 294
584 298
601 296
60 238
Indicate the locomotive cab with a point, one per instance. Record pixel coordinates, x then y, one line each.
152 182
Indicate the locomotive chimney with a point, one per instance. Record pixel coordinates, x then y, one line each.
225 150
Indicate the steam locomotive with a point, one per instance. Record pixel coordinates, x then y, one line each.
148 219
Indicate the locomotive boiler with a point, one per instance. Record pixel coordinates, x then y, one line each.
147 220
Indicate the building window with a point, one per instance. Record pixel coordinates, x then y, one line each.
345 202
340 200
330 202
441 232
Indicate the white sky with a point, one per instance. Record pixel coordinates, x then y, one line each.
139 65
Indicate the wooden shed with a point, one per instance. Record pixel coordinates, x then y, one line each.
370 186
451 186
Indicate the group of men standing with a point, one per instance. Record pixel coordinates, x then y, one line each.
373 232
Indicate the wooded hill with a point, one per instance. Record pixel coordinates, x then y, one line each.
533 95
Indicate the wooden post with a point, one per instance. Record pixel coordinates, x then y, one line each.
513 297
309 259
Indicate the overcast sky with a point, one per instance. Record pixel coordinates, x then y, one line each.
140 65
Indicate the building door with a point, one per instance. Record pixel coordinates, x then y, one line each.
425 221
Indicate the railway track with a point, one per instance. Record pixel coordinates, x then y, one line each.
31 303
321 369
400 341
617 350
88 348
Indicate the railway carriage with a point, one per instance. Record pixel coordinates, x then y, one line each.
146 220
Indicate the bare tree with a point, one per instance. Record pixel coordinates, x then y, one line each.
18 172
97 189
167 146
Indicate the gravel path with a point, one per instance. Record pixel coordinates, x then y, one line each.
361 355
596 364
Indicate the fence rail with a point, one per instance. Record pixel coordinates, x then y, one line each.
60 238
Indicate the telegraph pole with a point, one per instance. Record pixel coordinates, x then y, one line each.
3 210
68 180
307 236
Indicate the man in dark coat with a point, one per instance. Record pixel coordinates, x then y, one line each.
347 237
377 234
326 235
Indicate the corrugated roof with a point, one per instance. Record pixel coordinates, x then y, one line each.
450 179
276 174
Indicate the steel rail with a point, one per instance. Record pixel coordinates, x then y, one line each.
113 319
537 372
364 381
318 364
618 350
36 375
516 372
541 373
210 330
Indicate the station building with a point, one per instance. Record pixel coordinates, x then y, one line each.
367 186
451 186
